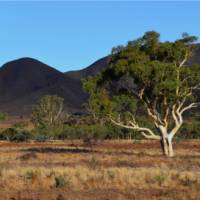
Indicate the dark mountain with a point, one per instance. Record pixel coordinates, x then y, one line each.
24 81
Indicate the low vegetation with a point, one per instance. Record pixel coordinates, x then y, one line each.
112 170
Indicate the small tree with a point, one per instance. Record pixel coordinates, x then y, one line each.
48 112
148 74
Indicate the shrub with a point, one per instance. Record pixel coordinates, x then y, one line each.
8 134
32 175
62 181
160 179
41 137
68 132
12 134
20 125
190 130
22 136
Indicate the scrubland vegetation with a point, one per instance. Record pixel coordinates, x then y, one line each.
110 170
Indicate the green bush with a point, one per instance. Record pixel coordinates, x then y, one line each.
12 134
41 137
95 132
8 134
68 132
189 130
21 136
20 125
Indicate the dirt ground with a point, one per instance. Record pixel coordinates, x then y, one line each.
110 170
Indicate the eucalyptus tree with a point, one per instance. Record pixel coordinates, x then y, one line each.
48 112
150 74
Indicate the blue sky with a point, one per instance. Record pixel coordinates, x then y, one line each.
72 35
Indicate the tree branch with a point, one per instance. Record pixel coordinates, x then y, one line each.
190 106
184 60
134 126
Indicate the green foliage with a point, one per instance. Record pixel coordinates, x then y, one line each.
90 134
41 137
13 135
190 130
7 134
144 73
20 125
48 117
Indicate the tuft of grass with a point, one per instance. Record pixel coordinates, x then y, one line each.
160 179
62 181
111 174
188 182
51 174
32 175
93 163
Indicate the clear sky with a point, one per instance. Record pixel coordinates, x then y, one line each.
72 35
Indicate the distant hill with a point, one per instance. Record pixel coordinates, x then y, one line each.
24 81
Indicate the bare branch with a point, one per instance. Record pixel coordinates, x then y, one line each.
184 60
166 116
151 136
190 106
174 111
196 87
135 127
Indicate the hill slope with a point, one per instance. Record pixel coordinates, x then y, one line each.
24 81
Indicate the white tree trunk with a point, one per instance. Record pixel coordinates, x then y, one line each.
165 147
171 151
167 141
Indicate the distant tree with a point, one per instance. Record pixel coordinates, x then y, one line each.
48 112
152 76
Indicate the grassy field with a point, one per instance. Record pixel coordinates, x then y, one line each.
111 170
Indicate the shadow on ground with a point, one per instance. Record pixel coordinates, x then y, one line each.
59 150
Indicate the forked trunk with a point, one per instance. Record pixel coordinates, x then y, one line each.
167 147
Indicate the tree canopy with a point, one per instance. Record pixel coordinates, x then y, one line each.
48 112
151 74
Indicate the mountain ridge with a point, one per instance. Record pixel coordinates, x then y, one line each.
23 81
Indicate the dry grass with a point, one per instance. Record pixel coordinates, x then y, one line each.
111 171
